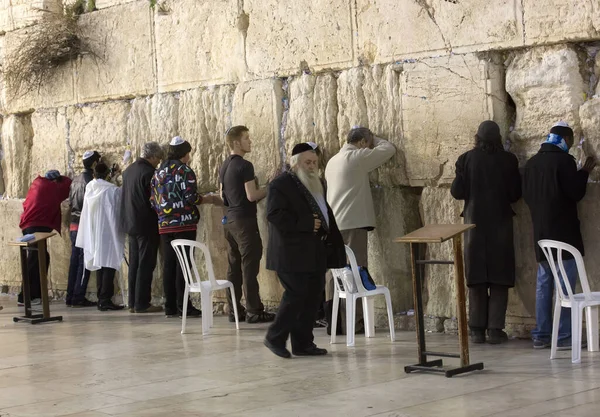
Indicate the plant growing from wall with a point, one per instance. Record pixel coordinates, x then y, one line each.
53 42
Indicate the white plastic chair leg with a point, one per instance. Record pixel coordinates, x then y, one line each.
591 322
350 319
555 326
369 316
334 315
235 312
206 306
185 305
576 324
390 313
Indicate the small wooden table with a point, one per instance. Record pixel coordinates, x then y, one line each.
38 244
438 233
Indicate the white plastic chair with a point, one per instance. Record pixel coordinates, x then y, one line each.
193 283
341 291
576 302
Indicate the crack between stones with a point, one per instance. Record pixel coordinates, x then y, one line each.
431 13
285 102
523 20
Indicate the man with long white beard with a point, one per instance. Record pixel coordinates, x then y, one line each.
304 241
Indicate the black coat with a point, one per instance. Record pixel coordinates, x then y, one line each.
552 188
489 183
293 246
137 215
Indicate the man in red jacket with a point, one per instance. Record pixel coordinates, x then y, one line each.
41 213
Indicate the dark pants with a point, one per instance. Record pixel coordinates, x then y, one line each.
33 265
173 281
105 281
78 275
297 310
245 252
487 310
142 261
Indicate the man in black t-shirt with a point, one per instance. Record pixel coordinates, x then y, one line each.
240 193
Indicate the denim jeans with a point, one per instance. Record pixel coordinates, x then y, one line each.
543 301
78 275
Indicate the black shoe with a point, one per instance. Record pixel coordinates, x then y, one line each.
311 351
241 317
171 313
477 336
262 317
191 312
84 303
496 336
282 352
109 306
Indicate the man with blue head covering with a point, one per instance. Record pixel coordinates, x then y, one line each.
552 187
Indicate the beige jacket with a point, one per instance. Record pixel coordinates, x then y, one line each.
348 188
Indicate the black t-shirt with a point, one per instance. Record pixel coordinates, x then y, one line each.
235 172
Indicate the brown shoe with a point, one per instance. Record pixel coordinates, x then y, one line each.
151 309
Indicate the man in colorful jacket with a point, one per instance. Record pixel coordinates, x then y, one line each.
175 198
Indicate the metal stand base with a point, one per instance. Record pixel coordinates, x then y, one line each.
436 366
37 318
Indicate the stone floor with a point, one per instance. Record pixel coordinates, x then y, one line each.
111 364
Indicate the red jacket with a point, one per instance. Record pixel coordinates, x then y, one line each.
42 204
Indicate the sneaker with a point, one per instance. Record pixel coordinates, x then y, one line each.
262 317
36 301
478 336
565 344
84 303
20 304
131 310
151 309
241 317
542 344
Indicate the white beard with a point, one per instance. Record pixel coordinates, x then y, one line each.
310 180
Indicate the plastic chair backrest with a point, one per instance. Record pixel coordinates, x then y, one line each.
188 261
547 247
338 273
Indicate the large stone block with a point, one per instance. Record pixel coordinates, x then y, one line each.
397 213
547 86
313 112
258 105
443 102
103 4
49 144
10 265
17 135
589 115
15 14
204 117
56 90
199 43
122 63
284 37
152 119
372 97
389 30
559 20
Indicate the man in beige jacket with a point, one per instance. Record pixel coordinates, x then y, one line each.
349 190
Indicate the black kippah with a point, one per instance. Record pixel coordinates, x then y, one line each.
301 147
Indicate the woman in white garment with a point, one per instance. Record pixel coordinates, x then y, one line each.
99 235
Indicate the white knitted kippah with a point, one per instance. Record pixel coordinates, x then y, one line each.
561 124
88 154
313 145
177 140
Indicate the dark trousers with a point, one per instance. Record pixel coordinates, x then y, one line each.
487 306
297 310
105 281
78 275
173 281
33 265
142 261
245 252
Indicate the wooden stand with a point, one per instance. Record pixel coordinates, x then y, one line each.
438 233
39 245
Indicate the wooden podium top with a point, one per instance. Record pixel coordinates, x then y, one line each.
38 237
434 233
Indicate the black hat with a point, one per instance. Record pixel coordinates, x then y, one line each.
489 130
302 147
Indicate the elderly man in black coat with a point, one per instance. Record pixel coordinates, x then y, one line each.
488 180
304 241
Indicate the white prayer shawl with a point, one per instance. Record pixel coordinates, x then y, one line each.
99 234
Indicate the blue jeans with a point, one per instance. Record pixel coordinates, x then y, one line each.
76 287
543 302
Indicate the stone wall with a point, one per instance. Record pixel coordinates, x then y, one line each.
420 73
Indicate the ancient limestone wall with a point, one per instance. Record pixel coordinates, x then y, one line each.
420 73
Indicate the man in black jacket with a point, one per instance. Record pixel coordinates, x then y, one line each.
140 222
304 241
78 275
552 188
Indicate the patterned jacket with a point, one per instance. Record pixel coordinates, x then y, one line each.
174 197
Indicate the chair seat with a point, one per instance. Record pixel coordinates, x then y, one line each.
581 298
222 284
379 289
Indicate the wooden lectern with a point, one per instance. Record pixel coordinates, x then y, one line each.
38 245
438 233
